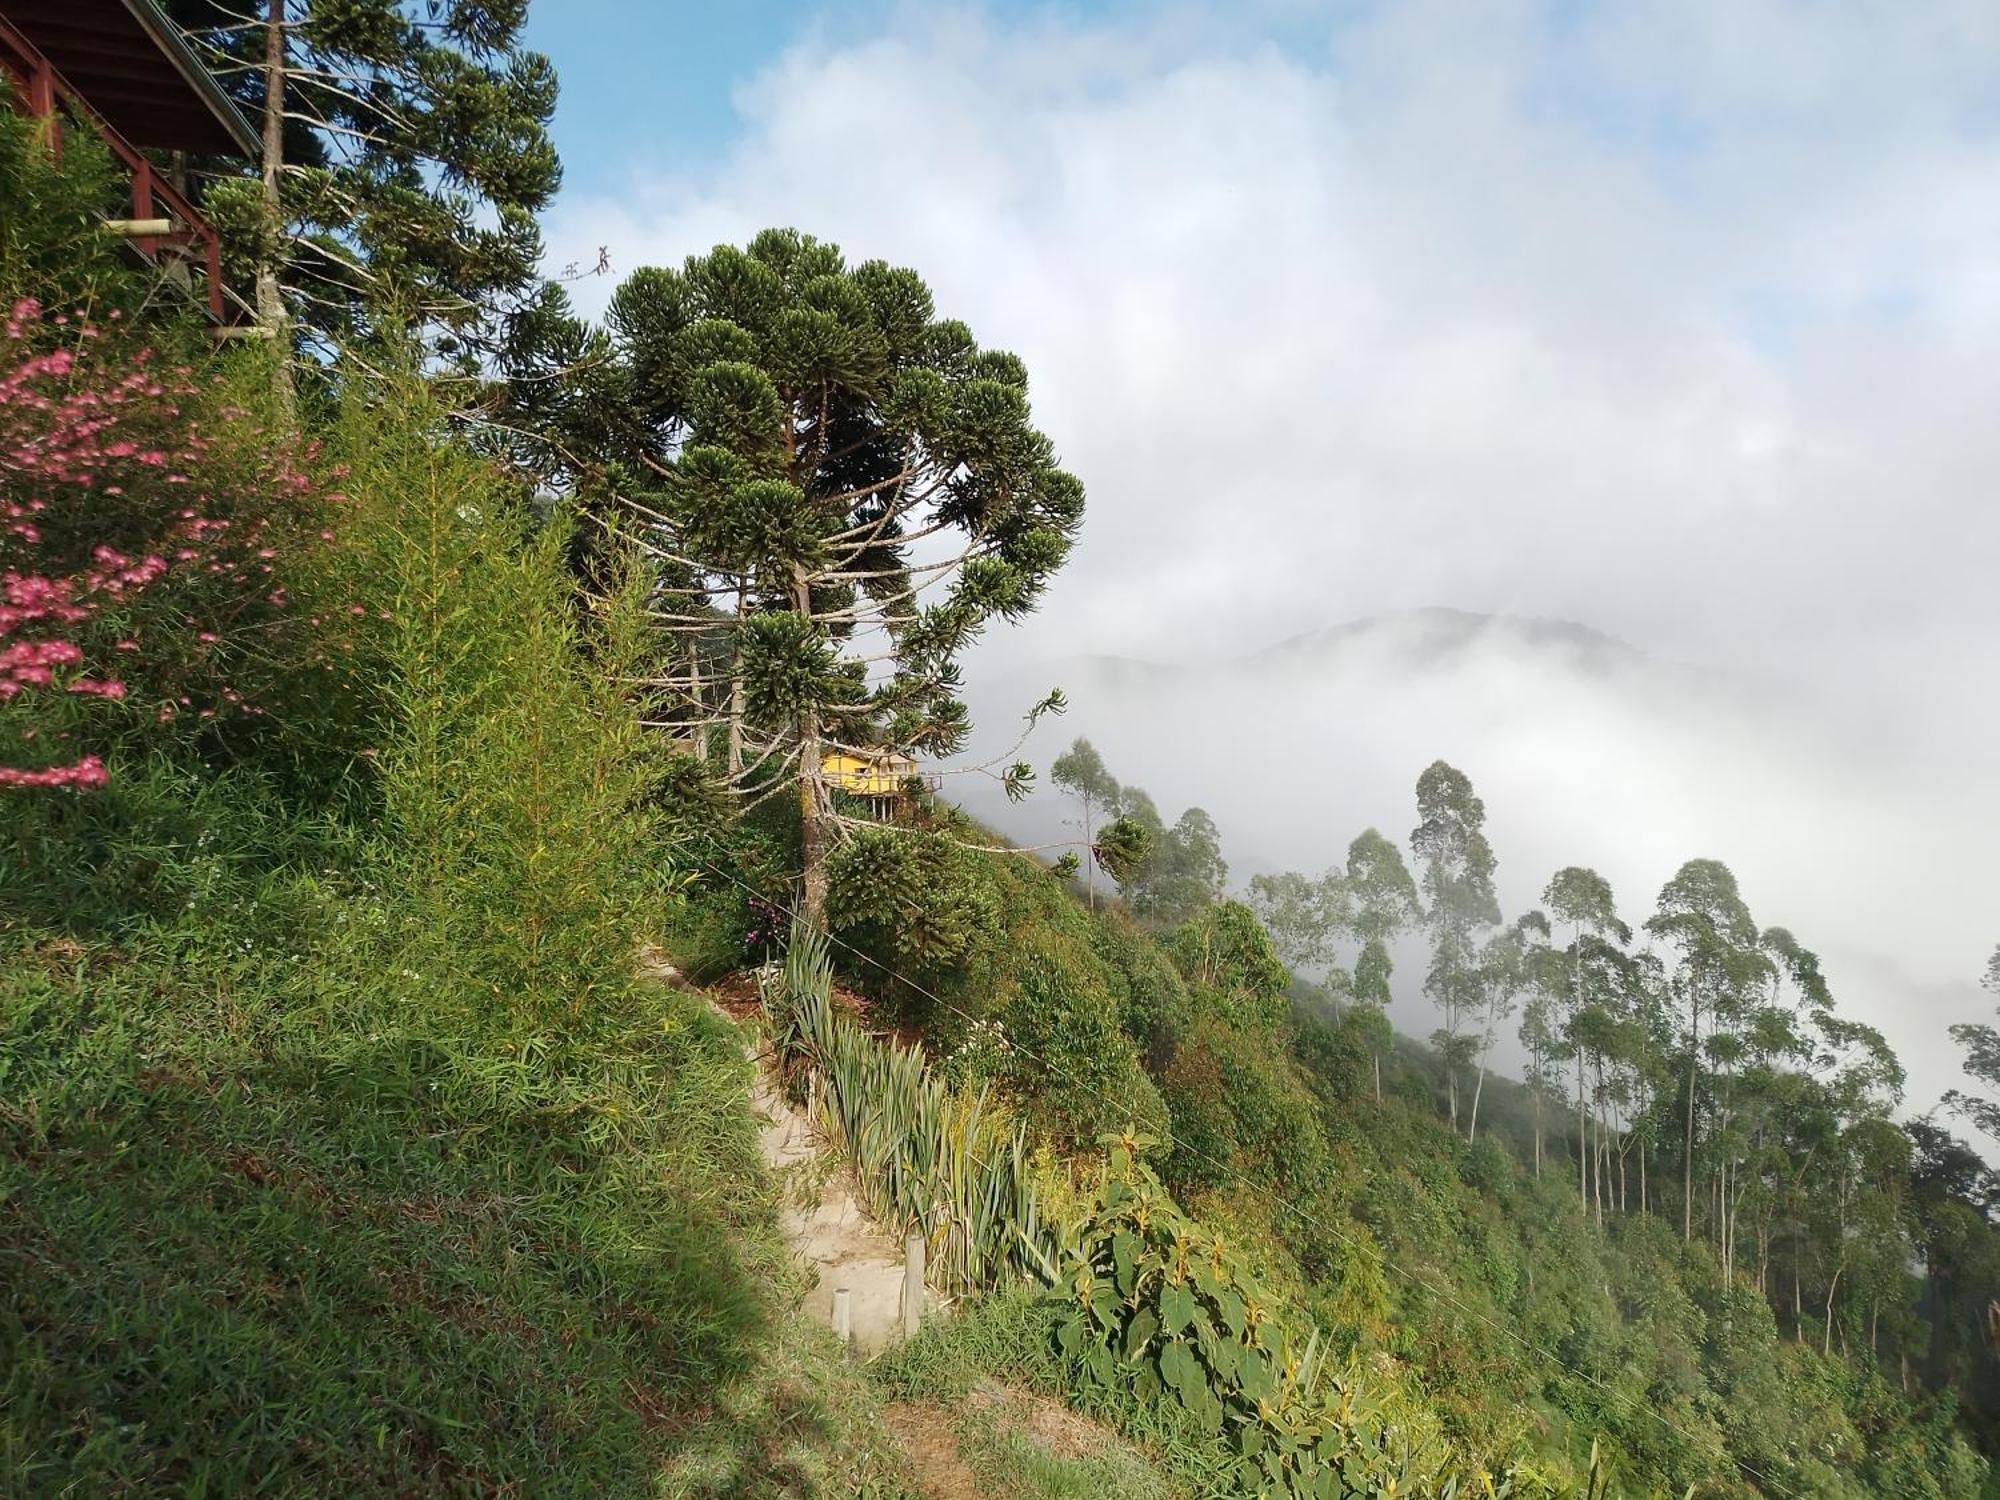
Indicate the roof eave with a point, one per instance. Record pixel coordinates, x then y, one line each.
168 38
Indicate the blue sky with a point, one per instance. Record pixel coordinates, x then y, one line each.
643 81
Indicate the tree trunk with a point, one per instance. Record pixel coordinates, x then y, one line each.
270 295
1472 1134
1687 1169
1089 858
1826 1346
1582 1140
1538 1120
1376 1058
699 697
736 689
814 803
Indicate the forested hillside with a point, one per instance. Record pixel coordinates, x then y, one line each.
447 743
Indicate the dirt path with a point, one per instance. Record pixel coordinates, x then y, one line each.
848 1250
923 1430
825 1224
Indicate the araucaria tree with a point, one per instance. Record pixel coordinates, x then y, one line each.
1456 866
405 156
846 489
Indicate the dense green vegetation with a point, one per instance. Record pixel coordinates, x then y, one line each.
340 1152
351 757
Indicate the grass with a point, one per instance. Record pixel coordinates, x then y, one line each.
264 1236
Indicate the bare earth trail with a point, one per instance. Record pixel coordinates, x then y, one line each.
848 1250
826 1226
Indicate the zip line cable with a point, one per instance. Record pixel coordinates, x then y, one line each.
1271 1196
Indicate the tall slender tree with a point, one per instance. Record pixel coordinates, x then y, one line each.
1184 871
1081 772
1456 865
1581 900
1703 916
1305 916
1982 1061
1385 904
1506 968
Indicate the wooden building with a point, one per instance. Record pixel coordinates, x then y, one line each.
881 778
124 72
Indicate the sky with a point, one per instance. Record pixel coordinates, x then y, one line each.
1678 319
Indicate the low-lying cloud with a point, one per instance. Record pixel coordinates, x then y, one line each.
1585 753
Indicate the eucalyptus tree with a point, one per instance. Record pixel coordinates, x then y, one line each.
1703 916
1982 1061
1081 772
1541 1040
1507 965
849 489
1776 1036
405 155
1385 904
1456 865
1581 900
1648 1007
1305 916
1186 870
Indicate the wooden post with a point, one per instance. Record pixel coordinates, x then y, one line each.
843 1317
913 1285
42 105
212 264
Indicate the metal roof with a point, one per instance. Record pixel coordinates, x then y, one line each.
135 68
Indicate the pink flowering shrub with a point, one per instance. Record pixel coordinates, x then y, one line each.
145 533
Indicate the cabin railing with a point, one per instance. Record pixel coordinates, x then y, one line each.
162 217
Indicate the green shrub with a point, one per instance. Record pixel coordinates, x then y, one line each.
1073 1065
53 244
1159 1310
517 827
917 903
1224 951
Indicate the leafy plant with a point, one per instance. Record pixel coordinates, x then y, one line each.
925 1157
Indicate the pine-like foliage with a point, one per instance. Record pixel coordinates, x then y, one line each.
842 490
406 156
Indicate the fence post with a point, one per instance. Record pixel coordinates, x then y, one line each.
843 1318
913 1284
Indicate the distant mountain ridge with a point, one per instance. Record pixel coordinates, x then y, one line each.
1423 637
1436 631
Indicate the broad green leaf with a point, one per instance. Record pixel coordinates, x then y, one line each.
1139 1332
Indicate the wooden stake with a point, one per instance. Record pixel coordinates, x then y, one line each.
913 1285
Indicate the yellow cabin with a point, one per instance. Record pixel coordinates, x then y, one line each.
874 773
